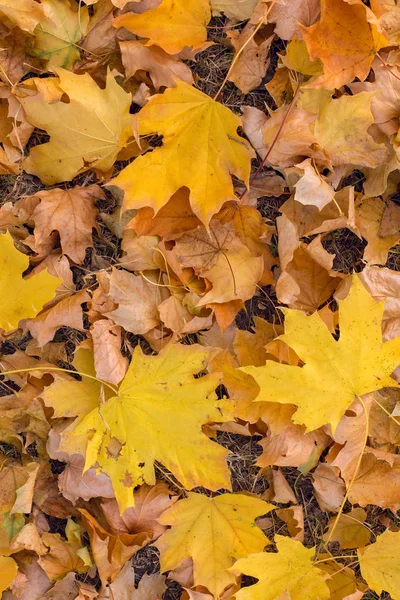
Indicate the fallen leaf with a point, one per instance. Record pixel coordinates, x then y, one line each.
22 298
252 63
109 363
213 532
173 25
378 564
312 188
241 10
150 503
9 569
188 120
290 15
72 213
369 214
143 426
318 401
58 32
342 129
291 570
85 133
345 42
163 69
26 15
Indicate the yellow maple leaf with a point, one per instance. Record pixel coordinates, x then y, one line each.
335 372
213 532
158 416
201 150
86 133
379 564
344 40
21 298
290 570
173 25
342 128
8 570
58 32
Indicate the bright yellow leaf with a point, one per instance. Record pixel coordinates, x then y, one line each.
342 128
290 570
8 570
213 532
86 133
58 33
21 298
201 150
173 25
158 416
379 564
335 372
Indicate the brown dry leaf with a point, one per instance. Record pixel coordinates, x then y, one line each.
137 301
150 503
162 68
295 143
290 15
174 218
66 313
141 253
72 213
350 530
377 482
63 556
279 490
369 214
252 64
345 42
151 587
390 223
109 363
111 552
176 316
305 284
266 183
294 519
250 347
329 488
293 448
312 189
384 284
385 431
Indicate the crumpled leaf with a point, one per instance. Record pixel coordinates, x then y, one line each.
379 564
173 25
158 400
21 298
201 150
334 371
86 133
163 69
213 532
290 570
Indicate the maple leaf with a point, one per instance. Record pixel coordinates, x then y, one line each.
345 42
157 415
335 372
21 298
58 32
291 570
241 11
213 532
173 25
86 133
72 213
341 127
379 564
201 150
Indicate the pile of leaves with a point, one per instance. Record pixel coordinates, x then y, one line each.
200 299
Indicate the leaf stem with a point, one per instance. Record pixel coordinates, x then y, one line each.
28 370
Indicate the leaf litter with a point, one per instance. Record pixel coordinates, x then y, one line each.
213 209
